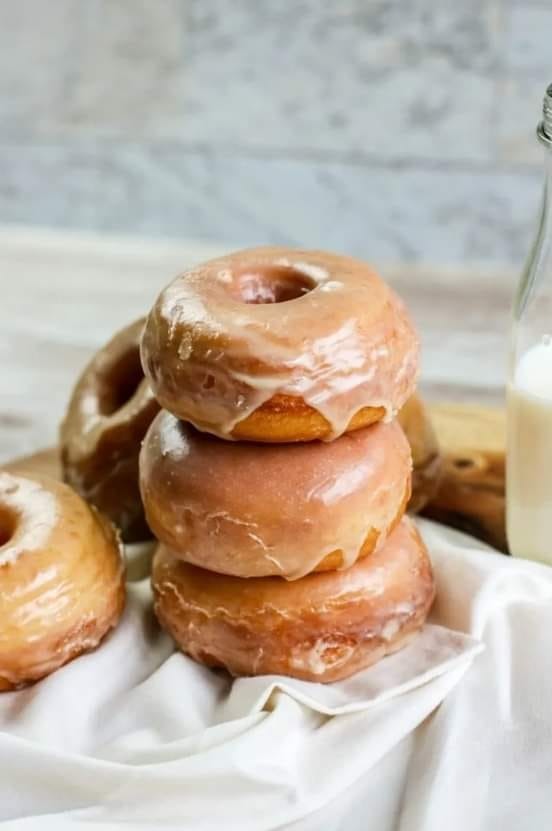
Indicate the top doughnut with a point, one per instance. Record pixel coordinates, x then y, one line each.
277 345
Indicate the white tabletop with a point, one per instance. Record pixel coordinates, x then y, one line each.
63 295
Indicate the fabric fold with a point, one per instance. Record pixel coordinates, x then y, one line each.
137 735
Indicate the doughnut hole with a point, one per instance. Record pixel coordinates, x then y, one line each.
8 523
463 463
119 383
271 284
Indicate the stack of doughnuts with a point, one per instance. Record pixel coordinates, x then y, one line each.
275 475
111 409
272 471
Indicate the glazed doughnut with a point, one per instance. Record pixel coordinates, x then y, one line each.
279 345
61 578
322 628
110 410
426 457
253 510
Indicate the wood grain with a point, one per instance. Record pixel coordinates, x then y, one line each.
44 463
471 496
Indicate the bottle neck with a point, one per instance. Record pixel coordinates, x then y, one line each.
547 174
533 301
544 233
539 252
544 135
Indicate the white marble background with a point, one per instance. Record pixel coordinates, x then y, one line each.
397 130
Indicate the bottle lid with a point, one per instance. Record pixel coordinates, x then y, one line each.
544 130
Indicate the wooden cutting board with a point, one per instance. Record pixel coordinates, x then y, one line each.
471 494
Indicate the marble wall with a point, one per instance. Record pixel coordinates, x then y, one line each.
400 130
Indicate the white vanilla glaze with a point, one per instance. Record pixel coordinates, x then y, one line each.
347 343
61 577
326 653
255 510
33 511
322 628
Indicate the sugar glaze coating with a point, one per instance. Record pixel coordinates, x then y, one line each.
110 410
274 344
322 628
254 510
61 577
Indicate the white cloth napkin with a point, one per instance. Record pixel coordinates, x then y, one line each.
137 736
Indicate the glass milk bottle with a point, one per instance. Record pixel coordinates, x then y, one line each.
529 415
